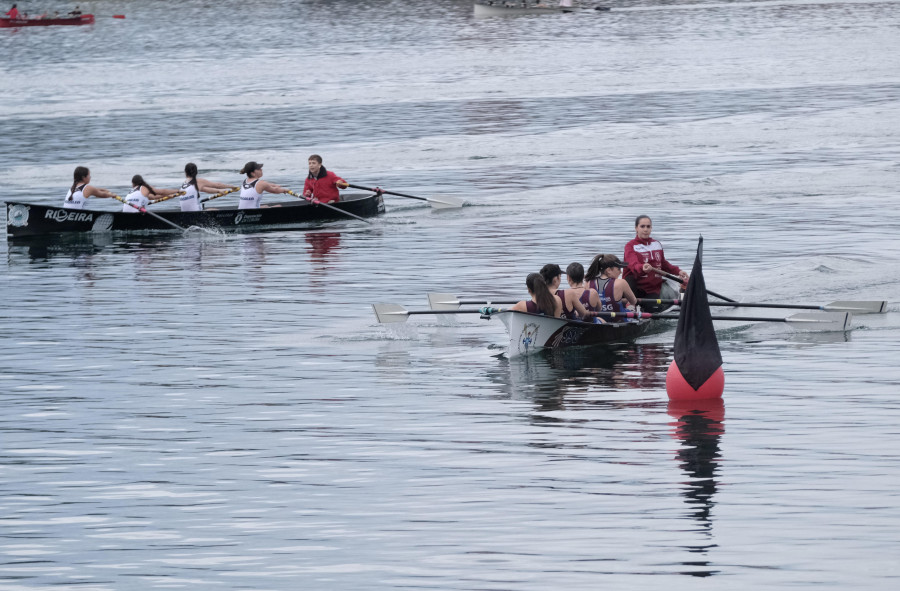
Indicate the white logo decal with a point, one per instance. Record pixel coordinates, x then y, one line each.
17 215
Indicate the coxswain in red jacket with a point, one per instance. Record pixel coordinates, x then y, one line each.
13 12
642 255
322 184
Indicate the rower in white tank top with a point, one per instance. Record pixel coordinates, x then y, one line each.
249 197
190 201
75 199
134 201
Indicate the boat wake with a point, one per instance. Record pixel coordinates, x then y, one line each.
210 233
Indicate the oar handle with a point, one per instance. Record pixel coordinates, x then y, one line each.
148 212
167 197
220 194
315 201
680 280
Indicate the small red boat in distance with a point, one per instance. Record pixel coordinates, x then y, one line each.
84 19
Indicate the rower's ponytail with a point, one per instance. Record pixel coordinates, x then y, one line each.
138 181
190 169
594 269
81 173
536 285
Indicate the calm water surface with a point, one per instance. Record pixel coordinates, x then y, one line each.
223 412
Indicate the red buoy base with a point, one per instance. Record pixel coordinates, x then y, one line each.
678 389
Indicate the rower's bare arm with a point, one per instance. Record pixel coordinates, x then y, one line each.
90 191
580 309
627 294
212 187
520 307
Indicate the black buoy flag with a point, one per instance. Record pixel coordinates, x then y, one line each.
697 352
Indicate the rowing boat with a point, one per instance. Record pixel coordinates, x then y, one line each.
26 219
507 8
530 333
84 19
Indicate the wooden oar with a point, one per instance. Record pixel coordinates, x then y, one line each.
435 202
145 210
863 307
825 320
220 194
388 313
448 301
680 280
315 201
167 197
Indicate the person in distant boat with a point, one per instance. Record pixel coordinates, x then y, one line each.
253 187
194 185
588 297
573 309
81 190
644 255
322 184
13 12
542 299
605 276
76 12
140 194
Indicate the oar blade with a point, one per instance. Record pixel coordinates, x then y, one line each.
866 307
833 321
388 313
443 301
445 202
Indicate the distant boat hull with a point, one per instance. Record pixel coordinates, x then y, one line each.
25 219
84 19
498 9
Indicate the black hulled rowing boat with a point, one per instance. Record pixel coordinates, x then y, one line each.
27 219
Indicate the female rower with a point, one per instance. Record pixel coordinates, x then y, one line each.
605 276
253 187
194 185
542 299
573 309
81 190
139 197
588 297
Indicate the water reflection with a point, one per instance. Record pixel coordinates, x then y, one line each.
321 252
698 427
550 377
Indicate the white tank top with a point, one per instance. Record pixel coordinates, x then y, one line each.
75 200
249 197
190 201
135 198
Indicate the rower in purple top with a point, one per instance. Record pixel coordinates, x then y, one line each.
588 297
573 309
542 299
604 275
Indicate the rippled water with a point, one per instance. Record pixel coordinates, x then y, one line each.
193 411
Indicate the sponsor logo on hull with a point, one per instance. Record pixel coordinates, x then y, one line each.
68 215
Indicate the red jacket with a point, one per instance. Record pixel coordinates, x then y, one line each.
13 13
324 186
638 252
